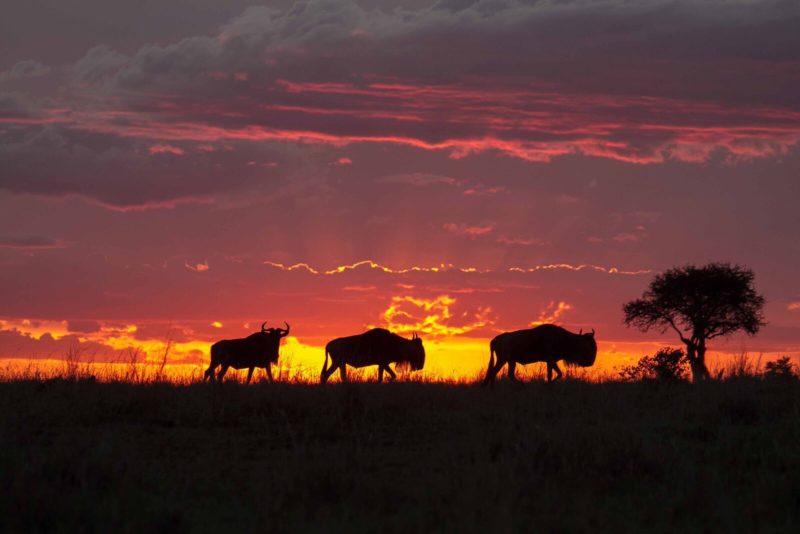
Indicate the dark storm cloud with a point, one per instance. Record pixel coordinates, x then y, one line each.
643 82
53 160
339 39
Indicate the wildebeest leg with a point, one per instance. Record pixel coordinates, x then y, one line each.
557 370
326 374
553 366
380 374
392 376
250 374
512 367
209 374
328 371
269 373
222 372
343 371
492 371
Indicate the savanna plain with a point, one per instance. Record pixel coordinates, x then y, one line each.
89 456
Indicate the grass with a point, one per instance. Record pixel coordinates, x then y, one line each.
81 455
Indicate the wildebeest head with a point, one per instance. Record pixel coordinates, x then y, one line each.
416 356
586 350
280 332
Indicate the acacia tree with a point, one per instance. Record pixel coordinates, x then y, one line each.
699 304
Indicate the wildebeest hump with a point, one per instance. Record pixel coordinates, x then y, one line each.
373 347
543 343
352 348
239 353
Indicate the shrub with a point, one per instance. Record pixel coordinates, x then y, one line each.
782 368
666 365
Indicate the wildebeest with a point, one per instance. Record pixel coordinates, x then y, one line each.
374 347
256 350
544 343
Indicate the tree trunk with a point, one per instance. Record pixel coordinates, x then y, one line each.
696 354
701 361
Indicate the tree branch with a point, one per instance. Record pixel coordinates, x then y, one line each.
680 334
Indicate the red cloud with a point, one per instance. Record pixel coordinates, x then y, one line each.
166 149
32 243
522 241
467 230
520 122
198 267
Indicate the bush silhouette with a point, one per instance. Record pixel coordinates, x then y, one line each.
666 365
781 369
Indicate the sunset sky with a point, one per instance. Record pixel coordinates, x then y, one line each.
186 169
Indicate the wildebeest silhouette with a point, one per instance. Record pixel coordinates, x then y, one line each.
544 343
256 350
374 347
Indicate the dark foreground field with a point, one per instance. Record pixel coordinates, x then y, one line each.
83 456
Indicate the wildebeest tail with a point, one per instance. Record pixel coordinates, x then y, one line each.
492 352
209 373
327 355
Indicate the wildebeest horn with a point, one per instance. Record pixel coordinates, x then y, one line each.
580 331
592 332
263 325
286 332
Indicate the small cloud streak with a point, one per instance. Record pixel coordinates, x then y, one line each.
369 264
150 205
359 289
165 149
479 190
552 313
626 237
420 179
31 243
468 230
198 267
522 241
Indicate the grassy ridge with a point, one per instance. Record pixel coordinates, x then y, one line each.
78 455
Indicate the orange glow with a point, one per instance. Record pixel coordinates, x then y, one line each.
407 314
457 360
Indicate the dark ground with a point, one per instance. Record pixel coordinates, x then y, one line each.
93 457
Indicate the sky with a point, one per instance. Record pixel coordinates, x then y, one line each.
183 170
